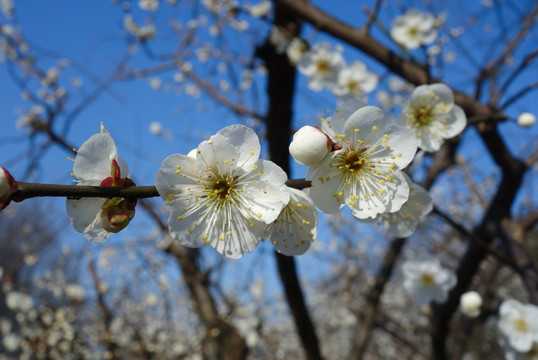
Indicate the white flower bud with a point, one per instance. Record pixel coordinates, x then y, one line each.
310 145
470 303
526 119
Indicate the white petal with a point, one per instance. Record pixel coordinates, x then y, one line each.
455 123
245 141
83 212
432 94
95 232
262 201
176 170
403 145
335 124
186 227
295 229
242 239
94 158
220 155
325 184
366 124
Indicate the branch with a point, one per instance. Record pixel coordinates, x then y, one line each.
280 90
412 72
372 299
31 190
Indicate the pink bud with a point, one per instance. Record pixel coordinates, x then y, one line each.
116 214
8 186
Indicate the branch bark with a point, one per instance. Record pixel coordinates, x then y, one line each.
280 89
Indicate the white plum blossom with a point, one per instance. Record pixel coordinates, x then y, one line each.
11 342
98 164
355 81
526 119
321 64
261 9
519 324
142 33
296 226
296 49
310 145
414 28
7 7
427 280
470 304
75 292
8 186
224 197
150 5
432 115
279 38
19 301
404 222
365 172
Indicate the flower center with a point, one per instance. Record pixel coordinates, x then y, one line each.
521 325
354 161
427 279
221 188
323 66
422 116
413 31
352 85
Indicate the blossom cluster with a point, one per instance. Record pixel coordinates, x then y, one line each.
222 194
356 157
326 68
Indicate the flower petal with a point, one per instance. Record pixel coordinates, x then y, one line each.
94 158
83 212
295 228
245 141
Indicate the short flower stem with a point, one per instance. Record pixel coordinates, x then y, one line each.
31 190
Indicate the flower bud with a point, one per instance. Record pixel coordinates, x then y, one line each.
470 303
526 119
8 186
116 214
310 145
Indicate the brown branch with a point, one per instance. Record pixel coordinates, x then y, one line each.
372 16
519 94
491 69
280 90
31 190
372 300
412 72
